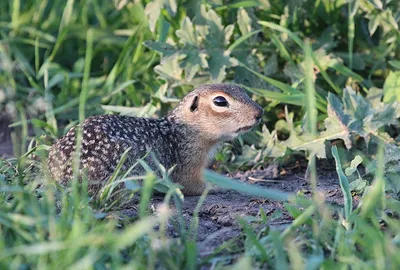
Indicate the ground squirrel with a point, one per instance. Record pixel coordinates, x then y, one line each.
186 137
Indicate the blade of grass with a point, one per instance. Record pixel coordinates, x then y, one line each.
339 67
300 43
251 235
132 233
37 60
66 16
107 189
122 58
295 99
225 182
279 28
16 6
344 185
242 39
352 9
50 118
312 112
300 220
145 196
282 49
239 4
280 257
120 88
376 193
280 85
82 103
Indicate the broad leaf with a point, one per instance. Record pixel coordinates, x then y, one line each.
187 33
201 49
153 10
194 59
354 115
164 48
244 21
169 68
353 165
391 88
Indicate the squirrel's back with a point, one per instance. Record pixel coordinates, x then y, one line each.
104 140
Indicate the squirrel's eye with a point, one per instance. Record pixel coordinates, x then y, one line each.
221 102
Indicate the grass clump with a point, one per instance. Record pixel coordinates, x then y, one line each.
326 73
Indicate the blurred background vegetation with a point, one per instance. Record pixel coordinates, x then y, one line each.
145 56
324 70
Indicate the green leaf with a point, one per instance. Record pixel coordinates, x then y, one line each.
244 21
218 62
344 184
271 144
146 193
215 37
242 263
391 159
374 96
227 183
353 165
357 108
391 88
201 48
337 108
395 63
339 67
280 85
271 66
366 118
187 34
358 186
335 128
210 26
335 123
373 24
228 31
153 10
164 48
295 99
170 68
239 4
133 232
242 39
194 59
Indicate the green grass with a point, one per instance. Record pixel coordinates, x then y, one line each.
327 66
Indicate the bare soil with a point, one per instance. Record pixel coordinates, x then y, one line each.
217 217
218 214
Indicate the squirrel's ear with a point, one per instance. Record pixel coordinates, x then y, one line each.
195 104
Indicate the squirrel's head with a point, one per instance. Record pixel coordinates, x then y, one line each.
218 111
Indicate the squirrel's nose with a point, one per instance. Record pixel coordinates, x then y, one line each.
259 114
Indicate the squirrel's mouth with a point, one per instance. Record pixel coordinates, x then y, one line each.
244 129
247 128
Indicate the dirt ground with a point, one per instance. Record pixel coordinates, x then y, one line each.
217 216
219 212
